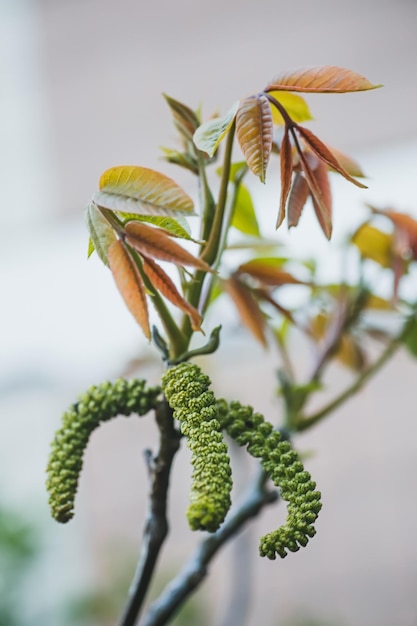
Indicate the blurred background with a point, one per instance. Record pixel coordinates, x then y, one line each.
80 91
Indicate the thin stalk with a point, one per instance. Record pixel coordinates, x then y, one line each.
211 250
303 423
215 228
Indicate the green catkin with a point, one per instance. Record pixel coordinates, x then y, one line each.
98 404
283 466
186 389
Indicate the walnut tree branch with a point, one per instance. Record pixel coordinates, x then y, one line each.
156 525
195 571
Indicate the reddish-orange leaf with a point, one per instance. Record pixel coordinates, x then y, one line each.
326 79
286 174
162 283
248 307
323 152
351 166
268 274
264 294
154 242
129 284
321 177
322 211
254 130
297 199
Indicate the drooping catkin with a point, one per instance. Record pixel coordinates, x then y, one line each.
187 391
98 404
282 464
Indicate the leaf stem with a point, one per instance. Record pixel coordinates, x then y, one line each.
214 227
210 251
303 423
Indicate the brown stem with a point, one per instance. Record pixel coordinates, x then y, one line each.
156 525
195 571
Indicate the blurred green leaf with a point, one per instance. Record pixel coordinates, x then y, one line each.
244 216
410 340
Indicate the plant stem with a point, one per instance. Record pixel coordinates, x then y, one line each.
303 423
156 525
214 228
195 571
210 251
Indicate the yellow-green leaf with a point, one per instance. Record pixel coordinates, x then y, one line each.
254 130
130 285
140 190
91 248
326 79
102 235
296 107
244 216
177 227
208 136
374 244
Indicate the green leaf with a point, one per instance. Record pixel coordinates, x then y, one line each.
102 235
244 216
296 107
236 170
410 340
185 120
91 247
140 190
208 136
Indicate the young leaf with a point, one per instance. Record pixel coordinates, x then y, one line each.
254 130
133 189
323 152
374 244
129 284
286 163
326 79
321 177
177 227
244 216
296 107
91 248
156 243
101 233
163 283
185 120
248 307
323 212
297 199
268 272
208 136
351 166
